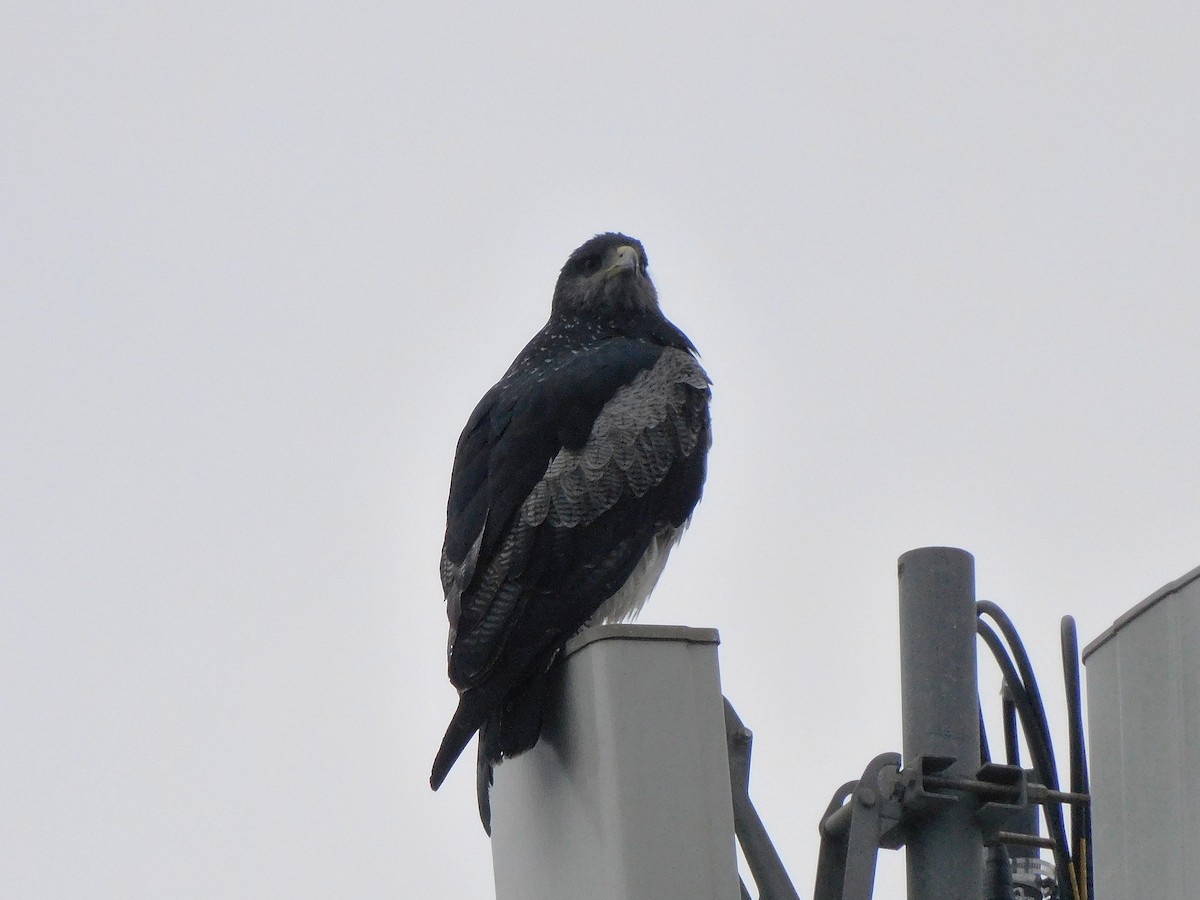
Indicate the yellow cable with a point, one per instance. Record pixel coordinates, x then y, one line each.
1083 854
1074 882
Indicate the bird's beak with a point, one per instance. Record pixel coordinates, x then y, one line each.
624 258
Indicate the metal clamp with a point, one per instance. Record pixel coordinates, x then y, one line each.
863 816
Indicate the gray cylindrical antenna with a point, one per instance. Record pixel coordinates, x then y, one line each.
940 701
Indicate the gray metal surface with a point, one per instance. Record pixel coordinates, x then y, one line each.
626 795
940 702
1143 679
770 877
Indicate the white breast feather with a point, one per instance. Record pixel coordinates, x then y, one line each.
627 602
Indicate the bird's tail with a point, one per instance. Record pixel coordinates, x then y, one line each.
463 726
484 781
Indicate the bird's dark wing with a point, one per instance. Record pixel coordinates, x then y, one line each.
562 479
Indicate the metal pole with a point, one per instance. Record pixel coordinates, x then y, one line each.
940 701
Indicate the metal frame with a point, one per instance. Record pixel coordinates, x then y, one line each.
770 877
942 806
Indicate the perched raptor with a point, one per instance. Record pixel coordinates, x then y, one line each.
574 477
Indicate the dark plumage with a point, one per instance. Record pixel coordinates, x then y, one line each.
574 477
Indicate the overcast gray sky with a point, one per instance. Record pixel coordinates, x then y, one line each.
259 261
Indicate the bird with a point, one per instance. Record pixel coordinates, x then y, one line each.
573 479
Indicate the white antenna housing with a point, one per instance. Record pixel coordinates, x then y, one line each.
626 794
1143 678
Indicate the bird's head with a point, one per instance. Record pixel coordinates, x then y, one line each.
606 277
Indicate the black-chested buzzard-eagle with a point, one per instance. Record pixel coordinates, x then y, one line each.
574 477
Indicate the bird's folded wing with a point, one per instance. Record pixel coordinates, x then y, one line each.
546 471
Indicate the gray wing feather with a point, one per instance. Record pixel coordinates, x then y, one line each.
640 433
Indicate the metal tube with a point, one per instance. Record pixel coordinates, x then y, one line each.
770 877
940 701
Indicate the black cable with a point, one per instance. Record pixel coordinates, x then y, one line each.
1081 815
985 753
1036 730
1008 711
1047 767
1028 680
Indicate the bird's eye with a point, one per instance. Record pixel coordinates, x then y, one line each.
589 264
